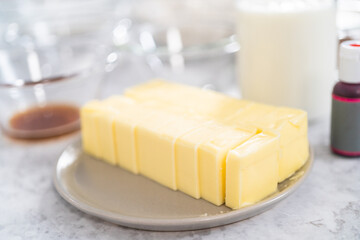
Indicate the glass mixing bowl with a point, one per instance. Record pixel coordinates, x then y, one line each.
190 42
41 87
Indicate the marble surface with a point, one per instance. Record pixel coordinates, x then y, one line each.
326 206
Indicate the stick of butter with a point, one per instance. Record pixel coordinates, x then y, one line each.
290 123
200 142
252 170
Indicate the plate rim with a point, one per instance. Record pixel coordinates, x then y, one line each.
175 224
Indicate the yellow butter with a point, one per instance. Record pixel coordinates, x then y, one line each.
192 100
252 170
109 130
99 130
155 145
105 134
89 129
212 162
187 156
291 124
126 117
201 142
292 156
248 115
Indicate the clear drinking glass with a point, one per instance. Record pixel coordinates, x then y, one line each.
287 52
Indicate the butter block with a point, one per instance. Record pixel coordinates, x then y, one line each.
293 156
186 155
200 142
105 135
89 130
100 120
248 115
155 145
206 103
212 162
292 127
252 170
292 123
125 145
127 117
187 166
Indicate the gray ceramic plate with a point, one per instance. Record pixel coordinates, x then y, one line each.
118 196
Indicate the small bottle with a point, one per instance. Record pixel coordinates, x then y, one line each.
345 114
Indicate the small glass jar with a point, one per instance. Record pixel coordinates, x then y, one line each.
41 88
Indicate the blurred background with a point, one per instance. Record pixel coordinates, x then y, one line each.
152 38
139 39
72 51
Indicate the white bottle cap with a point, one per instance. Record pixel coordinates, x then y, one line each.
349 69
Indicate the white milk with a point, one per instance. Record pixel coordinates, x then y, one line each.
287 53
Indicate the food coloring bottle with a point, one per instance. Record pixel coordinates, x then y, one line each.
345 114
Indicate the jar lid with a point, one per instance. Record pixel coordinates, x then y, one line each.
349 69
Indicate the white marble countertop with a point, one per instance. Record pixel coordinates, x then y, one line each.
326 206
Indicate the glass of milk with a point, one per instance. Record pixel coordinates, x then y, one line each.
287 52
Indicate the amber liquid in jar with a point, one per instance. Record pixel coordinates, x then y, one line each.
45 121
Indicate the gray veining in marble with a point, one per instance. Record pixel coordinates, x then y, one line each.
326 206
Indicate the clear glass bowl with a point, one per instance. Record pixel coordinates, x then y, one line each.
48 84
190 42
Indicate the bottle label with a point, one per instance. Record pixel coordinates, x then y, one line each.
345 125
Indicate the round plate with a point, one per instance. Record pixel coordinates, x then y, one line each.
121 197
